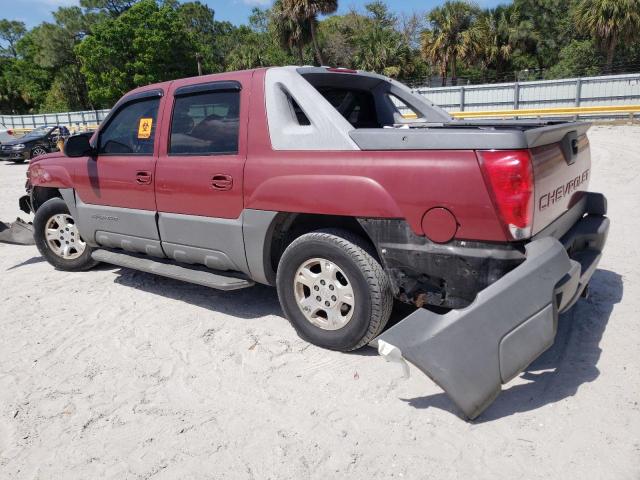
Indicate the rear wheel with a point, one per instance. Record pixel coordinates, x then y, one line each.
333 290
58 239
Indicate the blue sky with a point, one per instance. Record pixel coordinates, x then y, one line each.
32 12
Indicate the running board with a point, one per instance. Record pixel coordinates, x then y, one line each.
196 275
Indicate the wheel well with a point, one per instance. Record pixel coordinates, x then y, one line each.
288 227
42 194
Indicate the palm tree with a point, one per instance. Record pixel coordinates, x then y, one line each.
291 33
306 13
610 22
498 32
454 35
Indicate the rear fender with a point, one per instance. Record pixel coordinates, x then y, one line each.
345 195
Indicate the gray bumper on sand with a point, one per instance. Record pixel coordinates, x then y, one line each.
471 352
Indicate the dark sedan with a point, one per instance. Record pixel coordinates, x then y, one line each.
37 142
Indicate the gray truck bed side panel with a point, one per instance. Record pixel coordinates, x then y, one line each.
458 136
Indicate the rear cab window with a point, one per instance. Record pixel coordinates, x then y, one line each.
205 123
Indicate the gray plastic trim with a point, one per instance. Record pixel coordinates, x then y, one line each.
471 352
328 129
196 239
214 259
136 228
68 195
439 138
257 229
129 243
465 135
460 350
525 342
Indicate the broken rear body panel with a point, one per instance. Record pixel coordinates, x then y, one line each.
471 352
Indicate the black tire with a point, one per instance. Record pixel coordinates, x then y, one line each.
371 288
46 211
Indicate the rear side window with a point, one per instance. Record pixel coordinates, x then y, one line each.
358 107
205 124
132 129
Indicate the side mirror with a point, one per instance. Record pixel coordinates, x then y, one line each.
79 146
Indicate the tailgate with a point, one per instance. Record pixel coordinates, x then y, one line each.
561 169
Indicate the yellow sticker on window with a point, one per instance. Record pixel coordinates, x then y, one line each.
144 127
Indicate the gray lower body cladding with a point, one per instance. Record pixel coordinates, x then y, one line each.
471 352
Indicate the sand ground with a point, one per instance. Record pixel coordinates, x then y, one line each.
118 374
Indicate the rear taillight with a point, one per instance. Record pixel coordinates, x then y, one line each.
509 174
10 132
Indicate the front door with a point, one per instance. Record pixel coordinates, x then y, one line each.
199 174
115 190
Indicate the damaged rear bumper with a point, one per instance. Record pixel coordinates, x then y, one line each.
471 352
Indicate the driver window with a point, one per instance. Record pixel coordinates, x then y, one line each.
132 130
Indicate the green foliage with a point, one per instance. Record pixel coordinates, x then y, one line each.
145 44
580 58
456 34
610 22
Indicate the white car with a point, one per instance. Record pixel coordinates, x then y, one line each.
6 134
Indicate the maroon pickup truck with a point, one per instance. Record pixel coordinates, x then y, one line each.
316 181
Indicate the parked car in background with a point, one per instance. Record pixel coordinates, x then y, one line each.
6 134
37 142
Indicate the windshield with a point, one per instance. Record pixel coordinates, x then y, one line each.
38 132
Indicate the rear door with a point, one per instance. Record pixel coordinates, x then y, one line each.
115 190
199 175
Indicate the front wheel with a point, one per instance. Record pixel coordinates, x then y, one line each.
58 239
333 291
38 150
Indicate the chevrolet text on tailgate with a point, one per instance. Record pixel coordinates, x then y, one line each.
314 181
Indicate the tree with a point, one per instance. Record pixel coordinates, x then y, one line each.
610 22
291 33
578 59
307 11
10 33
497 31
379 45
199 23
145 44
454 35
113 8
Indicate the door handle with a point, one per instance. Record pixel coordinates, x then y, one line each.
143 178
222 182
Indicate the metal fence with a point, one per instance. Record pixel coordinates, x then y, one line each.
613 90
73 120
573 92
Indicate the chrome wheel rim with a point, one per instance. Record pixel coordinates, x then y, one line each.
63 238
324 294
38 151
